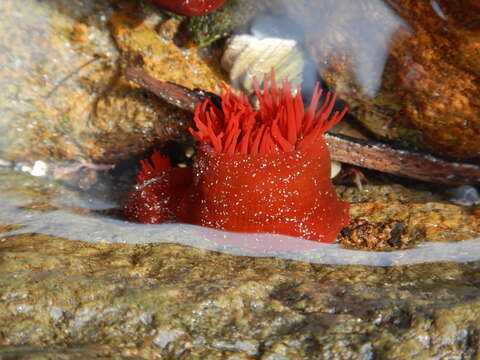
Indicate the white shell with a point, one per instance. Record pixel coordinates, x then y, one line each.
247 56
335 168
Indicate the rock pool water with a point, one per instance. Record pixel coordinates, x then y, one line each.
91 228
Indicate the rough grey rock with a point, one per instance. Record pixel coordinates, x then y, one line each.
65 299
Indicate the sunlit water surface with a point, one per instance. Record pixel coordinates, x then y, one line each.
91 228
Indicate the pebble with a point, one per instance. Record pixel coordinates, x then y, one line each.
465 195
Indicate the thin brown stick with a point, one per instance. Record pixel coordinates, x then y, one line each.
173 94
416 165
364 153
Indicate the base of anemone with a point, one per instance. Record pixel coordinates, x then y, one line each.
280 193
287 193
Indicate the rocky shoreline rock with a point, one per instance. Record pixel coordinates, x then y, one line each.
59 298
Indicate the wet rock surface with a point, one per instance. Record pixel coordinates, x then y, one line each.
67 98
64 299
394 216
52 77
173 301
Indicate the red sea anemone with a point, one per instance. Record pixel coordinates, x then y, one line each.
265 171
190 7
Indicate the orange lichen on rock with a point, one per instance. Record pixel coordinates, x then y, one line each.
265 171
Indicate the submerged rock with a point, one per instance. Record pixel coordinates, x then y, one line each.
65 96
407 69
49 78
392 216
131 119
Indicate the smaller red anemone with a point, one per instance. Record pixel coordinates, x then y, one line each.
265 171
159 189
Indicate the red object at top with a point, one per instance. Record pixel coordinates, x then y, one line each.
265 171
190 7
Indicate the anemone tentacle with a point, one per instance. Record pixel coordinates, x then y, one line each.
280 125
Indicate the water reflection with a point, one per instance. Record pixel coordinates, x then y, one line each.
65 224
356 33
438 9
